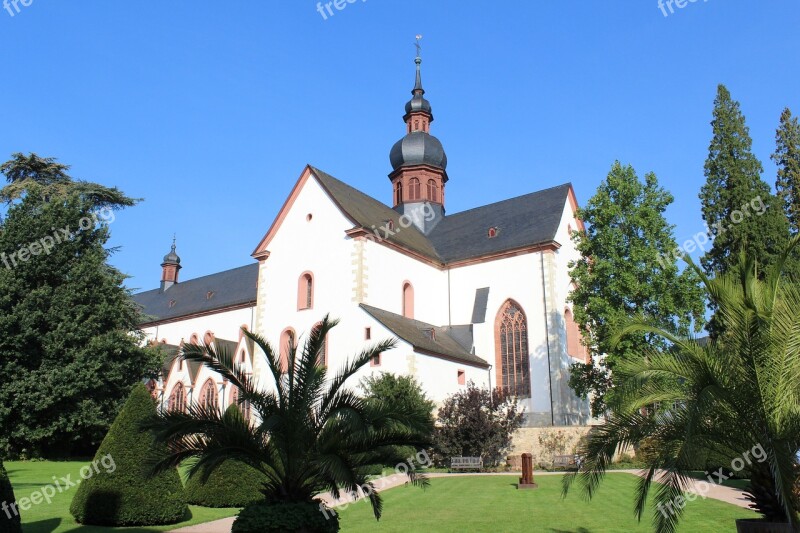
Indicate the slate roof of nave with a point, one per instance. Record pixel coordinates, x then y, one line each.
526 220
424 337
523 221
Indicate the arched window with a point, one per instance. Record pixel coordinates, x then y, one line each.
208 338
575 347
244 407
242 357
408 300
398 192
414 189
177 400
194 339
513 363
433 191
322 360
288 340
208 394
305 291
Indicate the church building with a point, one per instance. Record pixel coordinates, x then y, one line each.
476 296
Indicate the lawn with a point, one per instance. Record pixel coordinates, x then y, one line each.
493 503
55 518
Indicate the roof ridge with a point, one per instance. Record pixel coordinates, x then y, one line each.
251 265
541 191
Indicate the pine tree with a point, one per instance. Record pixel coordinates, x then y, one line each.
738 206
787 157
122 492
9 514
628 266
66 348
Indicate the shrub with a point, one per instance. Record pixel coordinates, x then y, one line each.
476 423
7 524
286 518
232 484
552 442
123 493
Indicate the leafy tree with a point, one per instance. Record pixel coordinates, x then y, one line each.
787 157
628 264
52 181
477 422
120 491
66 346
403 391
9 516
738 206
734 399
312 435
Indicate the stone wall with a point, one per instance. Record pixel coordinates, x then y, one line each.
526 440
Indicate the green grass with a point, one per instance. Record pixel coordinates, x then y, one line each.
738 484
54 517
493 503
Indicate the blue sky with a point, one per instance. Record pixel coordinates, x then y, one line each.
210 110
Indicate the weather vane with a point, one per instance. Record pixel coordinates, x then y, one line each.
419 47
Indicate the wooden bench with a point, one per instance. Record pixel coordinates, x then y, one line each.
466 463
567 461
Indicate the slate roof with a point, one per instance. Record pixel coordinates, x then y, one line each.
417 334
522 221
226 289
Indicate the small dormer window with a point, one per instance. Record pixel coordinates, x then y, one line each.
209 295
493 231
171 304
429 333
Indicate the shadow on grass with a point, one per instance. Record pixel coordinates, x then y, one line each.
42 526
579 530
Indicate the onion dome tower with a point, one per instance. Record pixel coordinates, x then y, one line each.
418 161
170 268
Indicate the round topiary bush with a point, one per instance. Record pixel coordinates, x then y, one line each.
231 484
286 518
119 490
9 520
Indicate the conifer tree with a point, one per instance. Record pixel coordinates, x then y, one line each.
738 206
122 491
787 157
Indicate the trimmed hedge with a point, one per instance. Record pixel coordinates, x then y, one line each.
286 518
125 494
231 484
8 524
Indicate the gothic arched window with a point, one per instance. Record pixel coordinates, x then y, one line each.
288 340
177 400
244 407
208 394
305 291
513 363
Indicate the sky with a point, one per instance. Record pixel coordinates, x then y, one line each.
210 111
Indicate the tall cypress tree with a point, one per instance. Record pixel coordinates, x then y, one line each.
738 206
628 266
787 157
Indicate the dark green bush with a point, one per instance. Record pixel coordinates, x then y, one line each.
286 518
7 524
231 484
125 494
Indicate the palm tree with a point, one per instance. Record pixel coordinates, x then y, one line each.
722 402
310 433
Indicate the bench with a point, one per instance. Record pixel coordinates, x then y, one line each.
567 461
466 463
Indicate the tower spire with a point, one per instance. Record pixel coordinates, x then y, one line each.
170 267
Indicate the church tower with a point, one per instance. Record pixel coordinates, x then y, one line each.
170 268
419 163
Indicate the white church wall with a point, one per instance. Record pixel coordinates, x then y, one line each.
518 278
224 325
